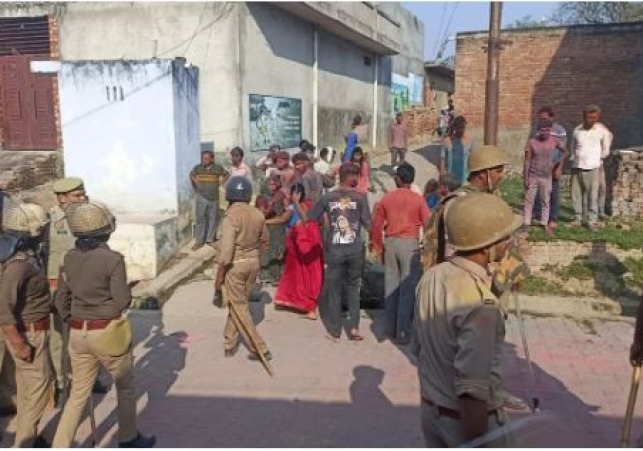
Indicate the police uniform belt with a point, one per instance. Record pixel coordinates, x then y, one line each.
90 324
446 412
36 326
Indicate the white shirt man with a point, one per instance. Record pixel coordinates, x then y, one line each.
591 143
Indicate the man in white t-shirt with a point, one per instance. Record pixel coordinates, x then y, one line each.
591 143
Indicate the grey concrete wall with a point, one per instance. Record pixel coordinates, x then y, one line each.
277 60
411 57
242 49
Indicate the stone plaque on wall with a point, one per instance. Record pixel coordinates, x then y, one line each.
274 120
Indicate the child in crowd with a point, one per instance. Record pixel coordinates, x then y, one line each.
432 194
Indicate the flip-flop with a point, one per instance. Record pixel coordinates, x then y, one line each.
355 337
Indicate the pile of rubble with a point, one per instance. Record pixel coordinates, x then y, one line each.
22 170
624 174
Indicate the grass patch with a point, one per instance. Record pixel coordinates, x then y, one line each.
535 285
614 233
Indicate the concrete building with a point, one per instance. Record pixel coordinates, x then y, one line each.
269 71
131 128
440 82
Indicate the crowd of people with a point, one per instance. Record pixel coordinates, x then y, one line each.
302 223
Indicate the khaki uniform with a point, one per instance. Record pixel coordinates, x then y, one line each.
25 302
7 371
459 335
61 240
243 231
92 293
510 270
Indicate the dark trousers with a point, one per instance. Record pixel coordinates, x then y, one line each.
554 203
206 219
343 274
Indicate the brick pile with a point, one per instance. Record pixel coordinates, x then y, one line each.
625 175
22 171
420 122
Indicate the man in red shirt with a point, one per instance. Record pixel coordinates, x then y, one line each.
399 216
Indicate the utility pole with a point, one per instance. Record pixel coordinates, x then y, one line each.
491 83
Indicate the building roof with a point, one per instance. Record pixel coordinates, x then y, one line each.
440 70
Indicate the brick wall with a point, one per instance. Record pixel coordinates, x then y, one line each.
55 55
420 123
563 67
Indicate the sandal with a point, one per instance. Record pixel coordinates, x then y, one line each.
355 336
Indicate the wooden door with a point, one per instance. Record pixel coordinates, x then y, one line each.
27 105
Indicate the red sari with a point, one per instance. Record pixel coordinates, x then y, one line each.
301 281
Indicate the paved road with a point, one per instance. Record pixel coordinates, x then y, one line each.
346 394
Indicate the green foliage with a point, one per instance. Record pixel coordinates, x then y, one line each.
513 192
535 285
573 13
528 22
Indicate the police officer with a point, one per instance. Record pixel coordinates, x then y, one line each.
243 231
91 298
68 191
7 368
460 326
486 170
25 308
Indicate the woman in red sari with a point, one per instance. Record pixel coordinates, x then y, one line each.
301 281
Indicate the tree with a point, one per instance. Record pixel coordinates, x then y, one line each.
528 22
573 13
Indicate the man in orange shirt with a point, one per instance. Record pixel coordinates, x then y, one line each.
400 215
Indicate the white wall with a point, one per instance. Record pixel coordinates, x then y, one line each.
125 150
206 34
